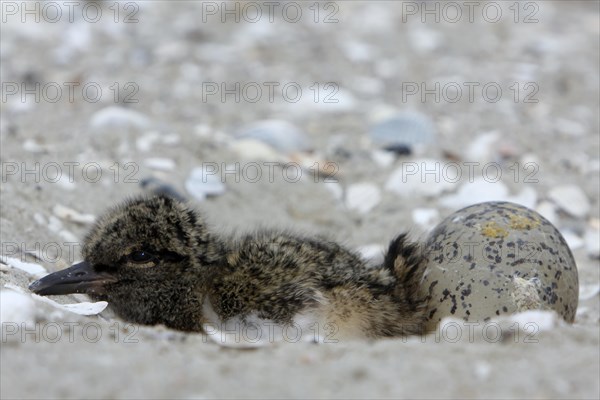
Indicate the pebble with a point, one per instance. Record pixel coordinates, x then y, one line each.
71 215
587 292
119 117
592 242
406 129
410 180
482 370
40 219
569 127
66 182
475 192
157 187
33 147
362 197
30 268
252 149
145 142
160 164
83 308
571 199
480 191
203 183
279 134
382 158
572 239
526 197
67 236
427 218
424 40
544 320
483 147
373 253
16 308
54 224
333 99
335 189
548 211
357 51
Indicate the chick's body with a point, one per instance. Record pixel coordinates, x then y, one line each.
155 261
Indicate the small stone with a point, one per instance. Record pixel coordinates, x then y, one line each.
119 117
544 320
474 192
66 182
406 129
357 51
204 182
373 253
335 189
481 190
32 146
83 308
587 292
482 370
548 211
16 308
171 139
362 197
592 242
54 224
526 197
483 148
145 142
569 127
71 215
572 239
279 134
424 40
67 236
571 199
40 219
411 179
159 188
427 218
255 150
383 159
160 164
30 268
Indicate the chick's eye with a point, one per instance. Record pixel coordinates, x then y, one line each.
140 257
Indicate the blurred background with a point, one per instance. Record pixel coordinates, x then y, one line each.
354 119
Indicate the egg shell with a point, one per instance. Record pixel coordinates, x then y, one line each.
498 258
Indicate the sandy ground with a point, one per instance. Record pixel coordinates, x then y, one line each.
168 61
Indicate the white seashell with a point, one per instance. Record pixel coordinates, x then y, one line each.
69 214
84 308
30 268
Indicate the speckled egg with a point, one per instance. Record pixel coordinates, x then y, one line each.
496 258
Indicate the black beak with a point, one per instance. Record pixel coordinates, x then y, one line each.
79 278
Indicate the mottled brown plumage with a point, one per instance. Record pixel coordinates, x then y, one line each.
156 262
